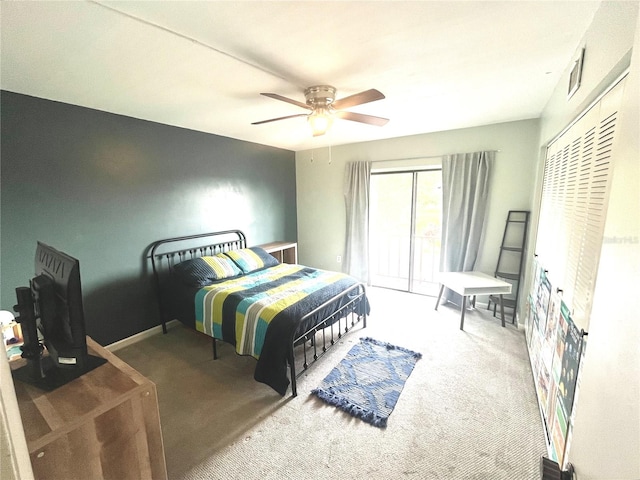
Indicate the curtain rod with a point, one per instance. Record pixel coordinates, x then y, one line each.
423 157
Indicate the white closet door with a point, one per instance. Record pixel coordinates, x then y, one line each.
574 204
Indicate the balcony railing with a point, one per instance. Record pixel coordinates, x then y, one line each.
390 262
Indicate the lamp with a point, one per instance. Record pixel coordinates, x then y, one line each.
320 120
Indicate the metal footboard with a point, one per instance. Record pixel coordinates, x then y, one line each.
330 328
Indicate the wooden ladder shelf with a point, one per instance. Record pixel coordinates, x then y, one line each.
511 259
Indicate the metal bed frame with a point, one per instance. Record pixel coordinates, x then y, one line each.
315 341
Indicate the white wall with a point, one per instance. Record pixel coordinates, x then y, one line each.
15 463
606 434
319 181
607 44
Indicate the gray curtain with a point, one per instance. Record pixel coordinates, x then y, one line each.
465 188
356 194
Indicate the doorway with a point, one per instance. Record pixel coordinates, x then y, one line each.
405 230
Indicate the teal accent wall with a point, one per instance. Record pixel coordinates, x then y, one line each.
102 187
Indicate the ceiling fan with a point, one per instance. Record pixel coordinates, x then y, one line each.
320 100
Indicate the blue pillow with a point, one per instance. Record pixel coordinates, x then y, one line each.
252 259
203 271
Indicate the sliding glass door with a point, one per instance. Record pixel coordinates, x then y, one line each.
405 218
390 228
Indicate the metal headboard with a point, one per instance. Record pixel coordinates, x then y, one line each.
168 252
177 249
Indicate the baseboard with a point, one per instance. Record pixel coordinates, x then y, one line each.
125 342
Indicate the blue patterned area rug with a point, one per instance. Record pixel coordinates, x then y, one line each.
368 381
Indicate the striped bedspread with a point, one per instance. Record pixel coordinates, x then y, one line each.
259 312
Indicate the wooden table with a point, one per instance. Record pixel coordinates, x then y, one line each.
470 284
102 425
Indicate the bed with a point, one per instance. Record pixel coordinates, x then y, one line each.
286 316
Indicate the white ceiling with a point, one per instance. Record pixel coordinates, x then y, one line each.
202 65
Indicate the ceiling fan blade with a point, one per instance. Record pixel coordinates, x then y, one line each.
358 99
288 100
280 118
359 117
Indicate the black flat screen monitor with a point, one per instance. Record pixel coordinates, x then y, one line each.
55 318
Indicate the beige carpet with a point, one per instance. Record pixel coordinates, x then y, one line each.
468 410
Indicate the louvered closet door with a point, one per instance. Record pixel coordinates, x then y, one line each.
574 204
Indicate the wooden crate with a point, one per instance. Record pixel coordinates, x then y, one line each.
105 424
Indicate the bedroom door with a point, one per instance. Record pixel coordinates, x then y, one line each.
405 225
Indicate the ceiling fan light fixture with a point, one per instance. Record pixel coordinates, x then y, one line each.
320 121
321 101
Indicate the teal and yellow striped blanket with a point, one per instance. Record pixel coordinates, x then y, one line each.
259 313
